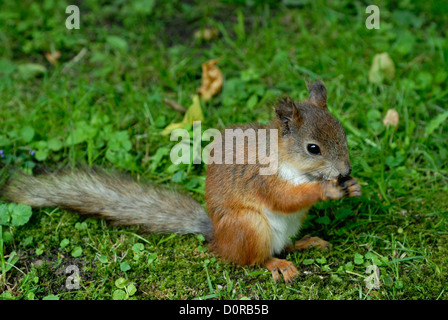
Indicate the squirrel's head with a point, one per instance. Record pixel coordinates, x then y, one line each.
313 140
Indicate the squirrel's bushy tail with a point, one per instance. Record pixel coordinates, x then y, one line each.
113 197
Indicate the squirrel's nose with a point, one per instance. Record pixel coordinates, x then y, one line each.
349 170
346 169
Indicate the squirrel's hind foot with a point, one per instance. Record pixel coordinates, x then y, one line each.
281 266
309 241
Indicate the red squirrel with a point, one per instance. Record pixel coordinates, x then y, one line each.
250 217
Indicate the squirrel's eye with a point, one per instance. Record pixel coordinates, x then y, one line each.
313 149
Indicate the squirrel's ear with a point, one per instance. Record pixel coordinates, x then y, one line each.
287 113
318 94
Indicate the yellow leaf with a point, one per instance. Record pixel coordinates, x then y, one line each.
383 68
194 113
211 80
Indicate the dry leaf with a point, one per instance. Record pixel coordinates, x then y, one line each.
383 68
211 80
53 57
206 34
391 118
194 113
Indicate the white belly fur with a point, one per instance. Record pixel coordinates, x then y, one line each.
291 174
283 227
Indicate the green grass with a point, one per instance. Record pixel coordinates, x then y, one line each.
107 108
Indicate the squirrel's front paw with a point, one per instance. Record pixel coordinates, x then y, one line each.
332 190
350 186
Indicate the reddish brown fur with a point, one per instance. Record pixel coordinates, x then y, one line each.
241 232
237 195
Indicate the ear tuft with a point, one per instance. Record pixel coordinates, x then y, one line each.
284 109
318 94
287 113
